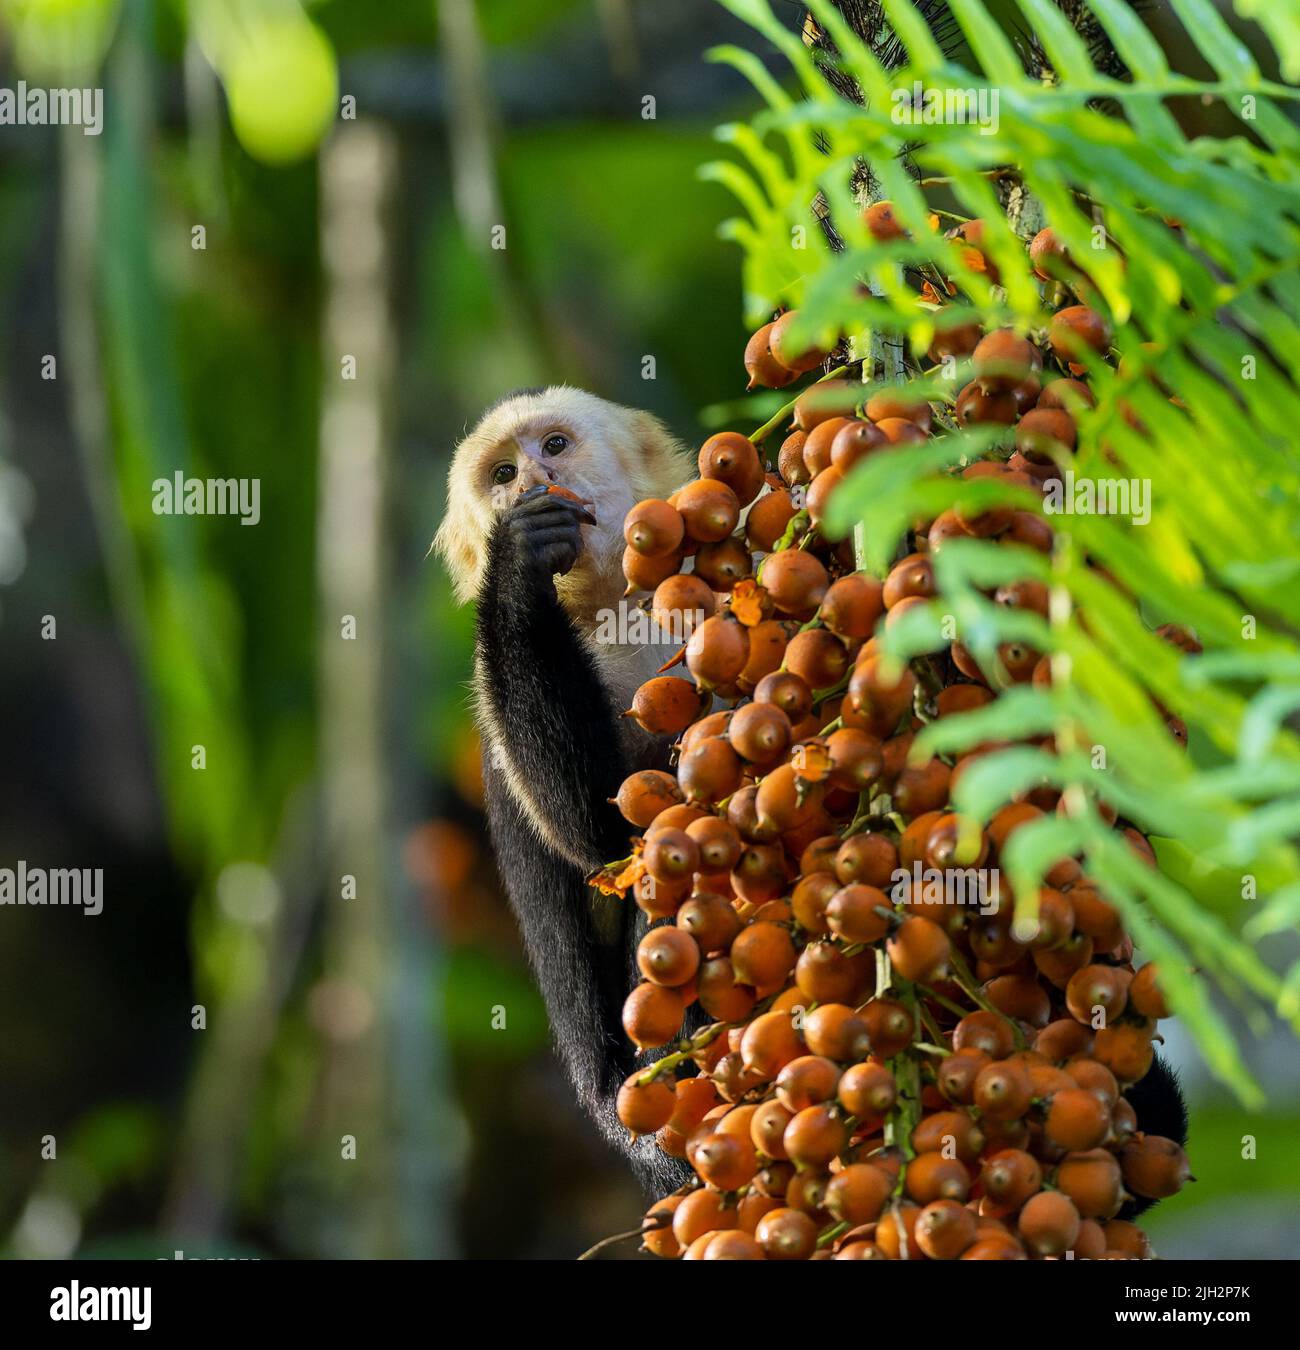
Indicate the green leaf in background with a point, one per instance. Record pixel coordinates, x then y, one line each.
279 71
60 41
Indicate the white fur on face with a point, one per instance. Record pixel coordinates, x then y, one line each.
615 458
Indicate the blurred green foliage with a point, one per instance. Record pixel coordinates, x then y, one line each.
208 355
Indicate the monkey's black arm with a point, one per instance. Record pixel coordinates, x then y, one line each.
552 735
552 717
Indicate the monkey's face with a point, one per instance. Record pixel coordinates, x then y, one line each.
540 450
609 455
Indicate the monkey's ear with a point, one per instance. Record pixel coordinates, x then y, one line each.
461 552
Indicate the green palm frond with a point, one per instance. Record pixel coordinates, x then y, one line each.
1192 248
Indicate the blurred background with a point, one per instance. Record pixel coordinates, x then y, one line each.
309 245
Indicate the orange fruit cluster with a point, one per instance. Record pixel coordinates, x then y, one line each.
880 1064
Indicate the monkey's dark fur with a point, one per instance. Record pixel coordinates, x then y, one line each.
556 722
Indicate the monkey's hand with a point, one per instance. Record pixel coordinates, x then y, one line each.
542 536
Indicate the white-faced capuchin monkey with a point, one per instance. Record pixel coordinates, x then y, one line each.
545 571
544 568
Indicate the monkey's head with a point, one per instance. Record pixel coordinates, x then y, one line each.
611 456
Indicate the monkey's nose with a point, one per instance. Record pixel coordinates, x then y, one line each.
537 462
531 475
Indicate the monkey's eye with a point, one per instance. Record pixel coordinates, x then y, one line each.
554 443
503 473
